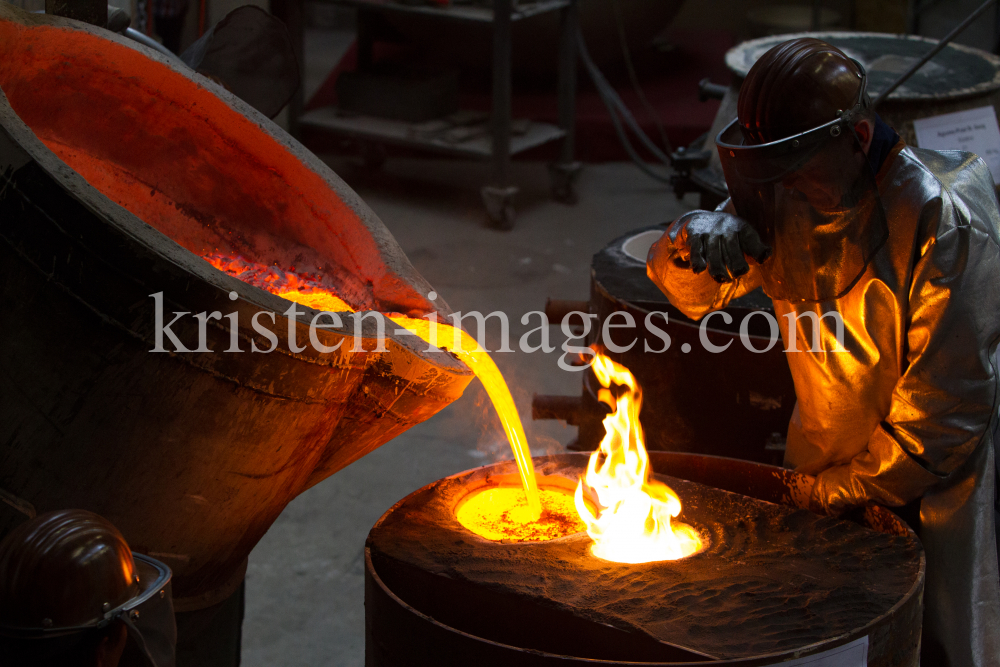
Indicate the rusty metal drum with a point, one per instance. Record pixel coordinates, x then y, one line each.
438 594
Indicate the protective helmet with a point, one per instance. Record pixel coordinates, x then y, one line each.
796 86
69 571
798 174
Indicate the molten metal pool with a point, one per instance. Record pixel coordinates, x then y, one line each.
501 513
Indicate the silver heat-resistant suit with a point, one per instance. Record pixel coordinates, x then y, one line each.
904 412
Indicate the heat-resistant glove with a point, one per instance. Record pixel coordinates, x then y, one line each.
717 241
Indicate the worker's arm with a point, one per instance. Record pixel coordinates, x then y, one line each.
945 399
700 263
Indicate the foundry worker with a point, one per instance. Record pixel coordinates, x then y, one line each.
72 594
838 220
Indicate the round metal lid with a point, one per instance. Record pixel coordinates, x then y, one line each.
958 71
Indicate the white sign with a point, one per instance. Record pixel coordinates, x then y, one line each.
854 654
974 130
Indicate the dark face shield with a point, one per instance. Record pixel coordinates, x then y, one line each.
812 197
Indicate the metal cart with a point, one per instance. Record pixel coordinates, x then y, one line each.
499 143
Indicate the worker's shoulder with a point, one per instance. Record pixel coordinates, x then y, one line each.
952 188
955 171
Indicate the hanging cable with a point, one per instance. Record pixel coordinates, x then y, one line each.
634 78
620 115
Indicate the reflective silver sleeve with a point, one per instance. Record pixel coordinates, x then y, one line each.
945 399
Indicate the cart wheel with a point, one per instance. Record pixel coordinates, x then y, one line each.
499 206
564 193
373 154
505 221
563 177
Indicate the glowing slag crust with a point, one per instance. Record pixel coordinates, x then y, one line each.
502 513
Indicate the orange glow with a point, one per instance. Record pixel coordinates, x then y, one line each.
318 299
310 290
634 522
502 513
164 146
301 288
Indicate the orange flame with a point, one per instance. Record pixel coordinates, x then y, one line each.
310 290
634 522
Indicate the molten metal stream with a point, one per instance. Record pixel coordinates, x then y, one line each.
479 360
309 291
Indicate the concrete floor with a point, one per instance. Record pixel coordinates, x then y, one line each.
305 585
